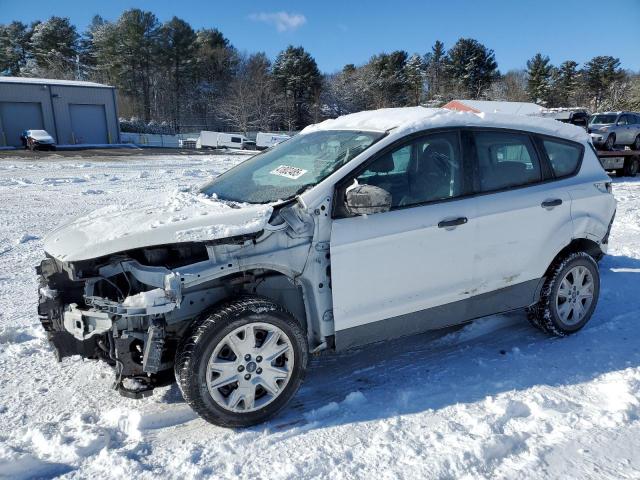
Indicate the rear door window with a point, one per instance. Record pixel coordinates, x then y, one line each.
564 157
506 160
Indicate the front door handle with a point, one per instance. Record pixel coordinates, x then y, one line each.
453 223
551 203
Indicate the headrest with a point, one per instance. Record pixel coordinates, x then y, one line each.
383 164
437 148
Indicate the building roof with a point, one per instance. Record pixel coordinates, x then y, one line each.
488 106
50 81
410 119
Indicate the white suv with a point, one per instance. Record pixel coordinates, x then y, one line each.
358 230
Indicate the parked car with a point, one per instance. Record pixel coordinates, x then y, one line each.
37 140
574 116
361 229
225 140
268 140
615 128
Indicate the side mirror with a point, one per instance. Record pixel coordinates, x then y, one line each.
367 199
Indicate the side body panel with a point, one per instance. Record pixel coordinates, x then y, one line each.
516 238
396 263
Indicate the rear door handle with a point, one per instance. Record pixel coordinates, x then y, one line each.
551 203
453 223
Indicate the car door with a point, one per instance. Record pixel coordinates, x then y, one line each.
522 220
623 132
409 269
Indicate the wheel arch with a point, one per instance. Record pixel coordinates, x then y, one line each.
578 245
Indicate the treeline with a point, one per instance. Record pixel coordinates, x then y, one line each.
172 78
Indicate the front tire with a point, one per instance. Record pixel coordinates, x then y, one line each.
569 295
242 364
636 143
610 143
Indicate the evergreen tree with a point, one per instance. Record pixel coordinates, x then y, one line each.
471 68
297 76
134 55
600 73
53 49
14 46
416 76
216 62
385 79
177 47
566 83
87 48
435 62
540 72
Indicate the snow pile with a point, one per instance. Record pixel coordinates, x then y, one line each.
495 399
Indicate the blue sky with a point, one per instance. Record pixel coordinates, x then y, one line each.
339 32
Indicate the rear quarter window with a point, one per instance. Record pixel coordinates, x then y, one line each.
564 157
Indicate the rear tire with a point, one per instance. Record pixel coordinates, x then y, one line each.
569 295
223 366
631 167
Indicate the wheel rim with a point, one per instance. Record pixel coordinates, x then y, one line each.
250 367
575 295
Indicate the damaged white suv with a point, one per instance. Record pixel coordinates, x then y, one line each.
360 229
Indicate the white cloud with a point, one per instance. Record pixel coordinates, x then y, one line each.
283 21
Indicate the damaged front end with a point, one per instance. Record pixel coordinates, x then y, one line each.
114 312
132 308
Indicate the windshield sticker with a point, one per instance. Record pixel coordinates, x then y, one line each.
288 172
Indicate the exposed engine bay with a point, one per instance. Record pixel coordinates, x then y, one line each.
131 309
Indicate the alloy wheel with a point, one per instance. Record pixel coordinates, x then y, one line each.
250 367
575 295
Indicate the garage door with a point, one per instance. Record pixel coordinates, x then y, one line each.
88 123
16 117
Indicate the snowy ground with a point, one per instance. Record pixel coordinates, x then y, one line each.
496 399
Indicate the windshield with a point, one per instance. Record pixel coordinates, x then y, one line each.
600 119
290 167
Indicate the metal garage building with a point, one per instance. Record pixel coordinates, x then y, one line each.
73 112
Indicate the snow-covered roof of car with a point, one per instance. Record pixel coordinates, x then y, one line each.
50 81
409 119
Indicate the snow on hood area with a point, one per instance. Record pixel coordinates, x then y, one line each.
496 399
40 135
406 120
184 216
